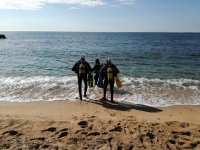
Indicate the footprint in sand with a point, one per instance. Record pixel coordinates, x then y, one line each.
51 129
184 139
63 134
195 144
150 135
83 124
6 146
34 146
93 134
116 129
12 133
35 143
187 133
38 139
62 130
184 125
45 146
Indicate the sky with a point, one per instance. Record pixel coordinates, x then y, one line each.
100 15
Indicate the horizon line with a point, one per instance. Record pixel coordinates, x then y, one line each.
111 31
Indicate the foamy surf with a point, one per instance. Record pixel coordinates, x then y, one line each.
153 92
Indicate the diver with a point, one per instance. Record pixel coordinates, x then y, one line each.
96 70
109 72
82 69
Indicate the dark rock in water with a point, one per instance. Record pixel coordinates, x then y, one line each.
2 36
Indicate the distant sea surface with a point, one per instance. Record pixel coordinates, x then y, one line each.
156 69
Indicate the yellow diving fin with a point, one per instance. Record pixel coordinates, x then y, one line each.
118 82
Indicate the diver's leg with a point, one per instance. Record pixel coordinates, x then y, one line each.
96 77
80 87
112 90
105 89
85 82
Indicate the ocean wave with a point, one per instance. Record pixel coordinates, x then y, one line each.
154 92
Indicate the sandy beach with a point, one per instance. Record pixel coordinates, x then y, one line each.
96 124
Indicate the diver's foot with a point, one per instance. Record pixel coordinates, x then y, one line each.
112 101
103 99
85 95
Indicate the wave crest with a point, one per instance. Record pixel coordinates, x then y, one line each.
154 92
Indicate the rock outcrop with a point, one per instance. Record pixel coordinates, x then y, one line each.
2 36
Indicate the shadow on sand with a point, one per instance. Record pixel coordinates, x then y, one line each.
124 106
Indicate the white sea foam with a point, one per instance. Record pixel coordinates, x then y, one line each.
154 92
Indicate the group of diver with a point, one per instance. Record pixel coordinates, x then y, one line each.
104 72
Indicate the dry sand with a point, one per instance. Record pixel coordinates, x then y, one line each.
98 125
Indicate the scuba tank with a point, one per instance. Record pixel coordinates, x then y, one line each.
82 69
97 68
109 73
90 81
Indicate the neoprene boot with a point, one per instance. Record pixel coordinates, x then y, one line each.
112 97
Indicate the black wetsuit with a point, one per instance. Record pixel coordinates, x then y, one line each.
82 75
109 80
96 70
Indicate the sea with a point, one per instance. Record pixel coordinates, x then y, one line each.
156 69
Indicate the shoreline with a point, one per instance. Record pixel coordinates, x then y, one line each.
64 110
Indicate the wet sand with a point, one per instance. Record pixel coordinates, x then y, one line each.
96 124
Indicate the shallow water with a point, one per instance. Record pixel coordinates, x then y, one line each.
155 68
